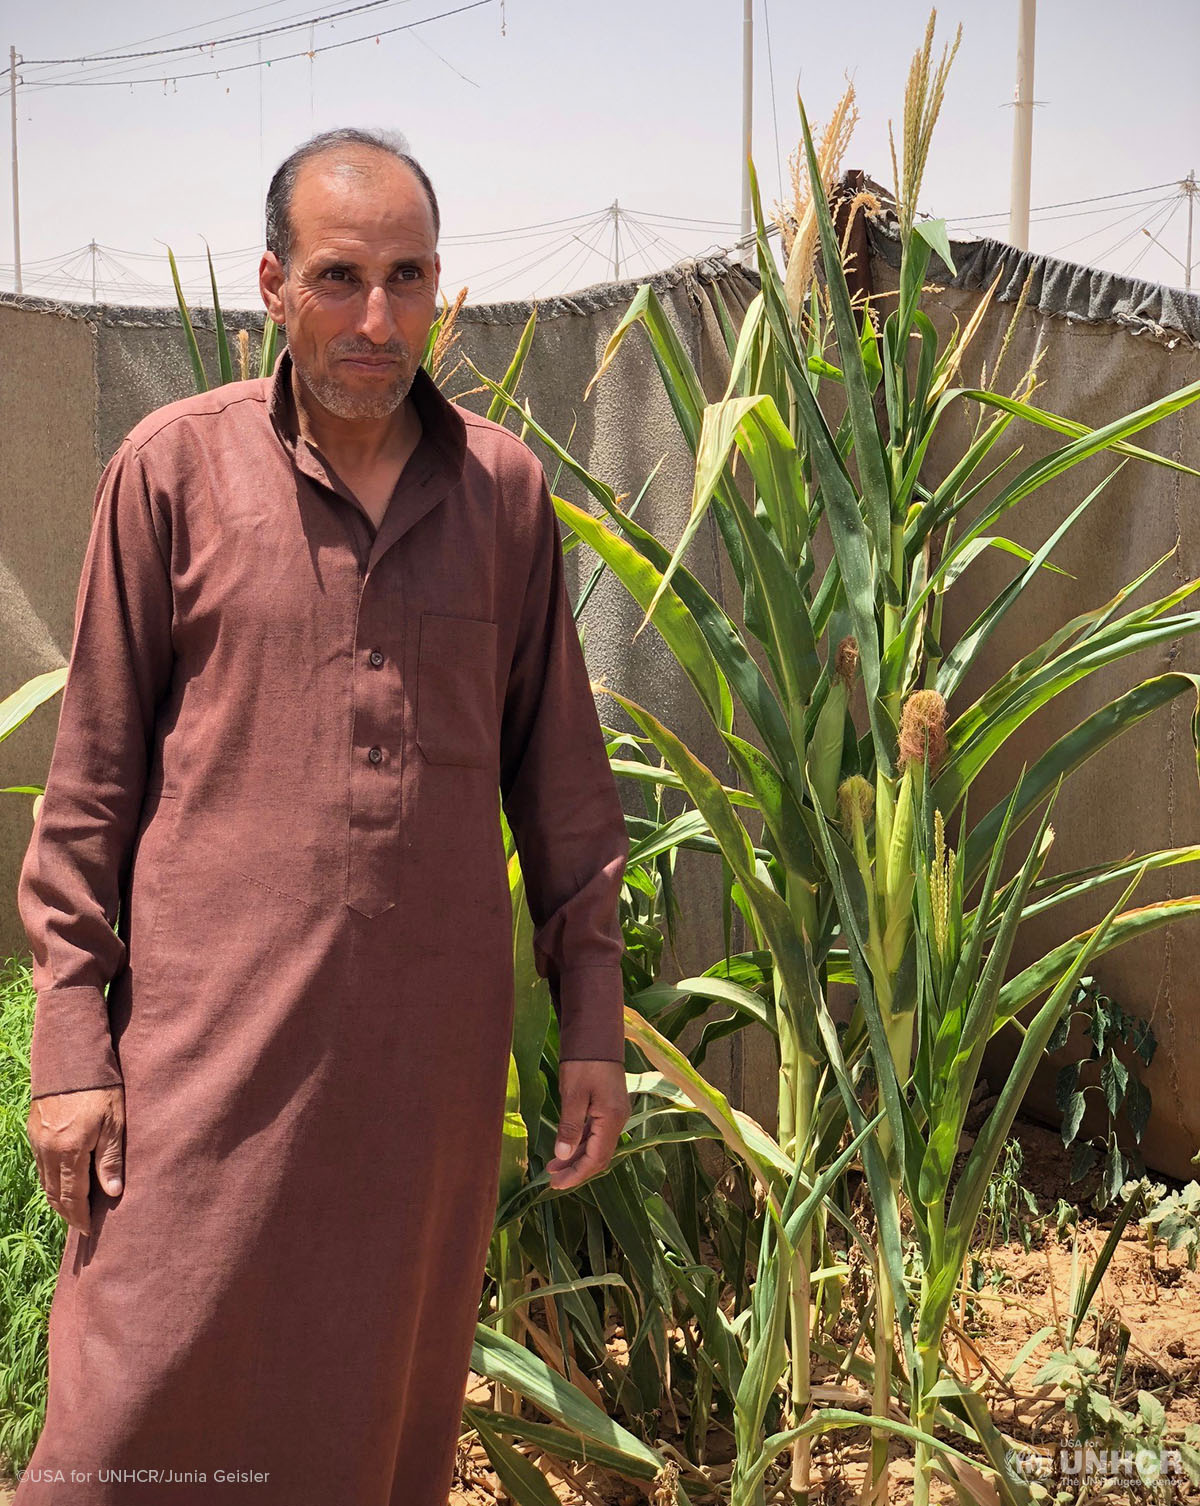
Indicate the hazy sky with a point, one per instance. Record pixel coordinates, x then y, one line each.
530 111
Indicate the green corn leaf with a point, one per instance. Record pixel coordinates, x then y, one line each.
972 1184
1080 628
671 617
24 701
959 1048
1074 748
224 363
266 346
1061 460
1129 635
198 373
723 638
779 805
754 424
965 651
497 408
500 1358
1070 426
1022 989
769 909
830 1419
519 1476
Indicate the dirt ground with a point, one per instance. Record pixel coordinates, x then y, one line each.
1149 1292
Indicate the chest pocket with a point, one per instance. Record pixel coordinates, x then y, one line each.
456 691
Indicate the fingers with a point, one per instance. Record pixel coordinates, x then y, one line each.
74 1180
597 1144
110 1151
595 1109
63 1130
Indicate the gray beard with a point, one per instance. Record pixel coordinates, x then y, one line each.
344 403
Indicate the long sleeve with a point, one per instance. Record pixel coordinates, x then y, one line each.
562 804
73 870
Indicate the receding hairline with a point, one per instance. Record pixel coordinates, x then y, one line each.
347 151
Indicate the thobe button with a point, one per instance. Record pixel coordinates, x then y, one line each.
376 658
375 754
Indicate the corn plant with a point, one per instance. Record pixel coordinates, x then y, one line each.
268 342
835 847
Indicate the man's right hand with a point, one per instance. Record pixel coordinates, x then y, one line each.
64 1129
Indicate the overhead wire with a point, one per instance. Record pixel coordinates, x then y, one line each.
1065 203
193 26
647 227
1079 214
565 273
110 83
208 46
523 270
642 245
523 256
1158 222
149 72
766 4
683 219
1149 241
522 265
1138 212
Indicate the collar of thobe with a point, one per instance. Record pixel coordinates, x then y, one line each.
430 474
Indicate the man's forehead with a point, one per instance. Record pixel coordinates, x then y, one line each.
366 199
362 237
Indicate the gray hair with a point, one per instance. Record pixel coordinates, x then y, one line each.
280 234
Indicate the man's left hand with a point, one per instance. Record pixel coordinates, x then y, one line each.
595 1108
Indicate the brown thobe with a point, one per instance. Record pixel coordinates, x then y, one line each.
284 741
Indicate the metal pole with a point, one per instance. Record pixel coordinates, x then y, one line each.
93 248
1190 185
616 214
747 121
1022 154
12 95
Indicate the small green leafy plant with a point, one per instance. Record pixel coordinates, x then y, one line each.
1112 1075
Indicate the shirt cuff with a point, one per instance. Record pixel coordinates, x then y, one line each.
591 1013
72 1045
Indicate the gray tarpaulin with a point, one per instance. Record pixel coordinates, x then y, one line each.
74 379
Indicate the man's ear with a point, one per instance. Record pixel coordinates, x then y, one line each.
270 284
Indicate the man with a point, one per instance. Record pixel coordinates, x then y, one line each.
321 631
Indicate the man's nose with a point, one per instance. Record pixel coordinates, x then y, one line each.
377 323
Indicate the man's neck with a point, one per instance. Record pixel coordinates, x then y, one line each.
355 445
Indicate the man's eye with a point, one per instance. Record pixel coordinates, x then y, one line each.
334 272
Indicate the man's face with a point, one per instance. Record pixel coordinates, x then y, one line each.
362 283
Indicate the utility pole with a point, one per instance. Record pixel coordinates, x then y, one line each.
616 217
1022 153
747 122
12 96
93 248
